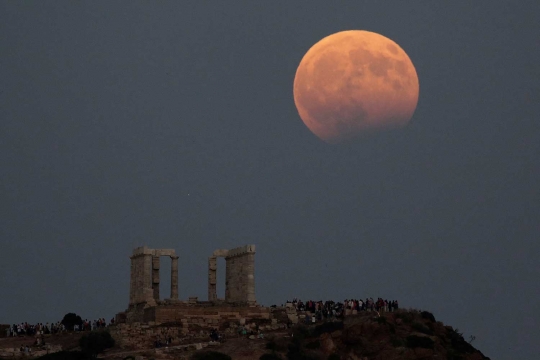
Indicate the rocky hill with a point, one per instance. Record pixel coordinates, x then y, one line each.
404 335
407 335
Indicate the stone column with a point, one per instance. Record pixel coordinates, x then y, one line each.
155 277
212 278
240 275
132 281
250 278
144 276
148 292
138 265
230 279
174 277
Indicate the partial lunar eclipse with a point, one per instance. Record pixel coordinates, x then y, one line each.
355 82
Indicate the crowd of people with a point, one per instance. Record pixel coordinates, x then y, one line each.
328 309
92 325
26 329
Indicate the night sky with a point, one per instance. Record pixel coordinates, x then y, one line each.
173 125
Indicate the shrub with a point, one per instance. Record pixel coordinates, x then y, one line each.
459 344
422 328
210 355
95 343
451 354
301 332
334 357
381 320
414 341
298 353
328 327
276 345
407 317
302 356
65 355
70 320
397 342
428 316
295 349
271 356
313 345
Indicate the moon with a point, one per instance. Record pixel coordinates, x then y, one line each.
353 83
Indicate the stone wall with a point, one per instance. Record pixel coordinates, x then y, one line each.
190 323
166 312
6 353
207 316
135 313
185 323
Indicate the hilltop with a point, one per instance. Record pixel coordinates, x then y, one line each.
405 334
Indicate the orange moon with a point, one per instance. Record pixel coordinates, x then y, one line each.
355 82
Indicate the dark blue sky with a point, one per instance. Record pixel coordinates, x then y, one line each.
173 125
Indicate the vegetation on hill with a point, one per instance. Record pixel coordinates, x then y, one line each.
95 343
70 320
404 334
91 345
65 355
210 355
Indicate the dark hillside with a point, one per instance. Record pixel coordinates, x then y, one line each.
405 335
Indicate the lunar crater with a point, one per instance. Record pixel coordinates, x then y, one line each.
392 48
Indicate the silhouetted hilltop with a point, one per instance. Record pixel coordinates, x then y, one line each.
368 335
399 335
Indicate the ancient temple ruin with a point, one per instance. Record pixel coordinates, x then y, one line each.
145 304
148 317
144 284
239 275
